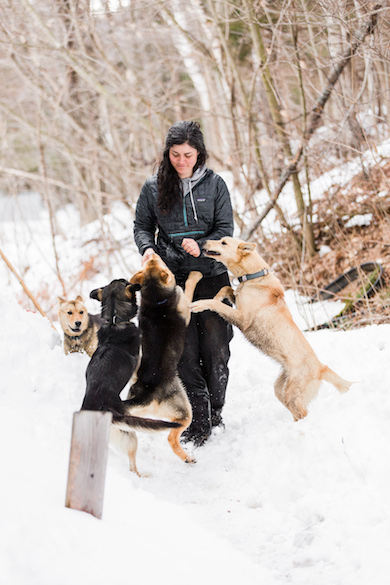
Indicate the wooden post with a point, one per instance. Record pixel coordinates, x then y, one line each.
88 461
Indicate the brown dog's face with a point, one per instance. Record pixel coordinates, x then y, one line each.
230 251
73 316
154 270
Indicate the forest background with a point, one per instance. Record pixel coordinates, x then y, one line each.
285 91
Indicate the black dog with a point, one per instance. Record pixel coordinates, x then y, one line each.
114 362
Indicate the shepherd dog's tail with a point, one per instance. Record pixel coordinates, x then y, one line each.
128 421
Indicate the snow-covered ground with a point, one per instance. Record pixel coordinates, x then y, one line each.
269 501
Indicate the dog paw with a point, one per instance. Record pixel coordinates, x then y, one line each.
190 459
198 306
195 275
143 475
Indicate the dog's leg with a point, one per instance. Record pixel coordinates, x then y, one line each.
193 278
225 292
177 409
128 443
231 315
294 397
297 410
280 385
132 445
132 451
180 411
174 441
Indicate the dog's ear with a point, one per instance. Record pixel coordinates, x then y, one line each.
131 289
80 299
246 247
137 278
96 294
61 300
165 276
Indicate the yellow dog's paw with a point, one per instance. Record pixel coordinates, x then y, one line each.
199 306
195 276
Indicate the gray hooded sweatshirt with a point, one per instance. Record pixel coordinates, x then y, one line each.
189 184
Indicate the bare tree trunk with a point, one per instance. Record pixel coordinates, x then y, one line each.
274 107
316 113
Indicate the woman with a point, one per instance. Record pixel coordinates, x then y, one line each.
178 209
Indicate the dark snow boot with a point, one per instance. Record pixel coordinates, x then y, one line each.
197 439
216 419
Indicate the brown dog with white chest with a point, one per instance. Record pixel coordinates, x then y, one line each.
80 327
261 313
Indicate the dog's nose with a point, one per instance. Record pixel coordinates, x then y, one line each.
77 323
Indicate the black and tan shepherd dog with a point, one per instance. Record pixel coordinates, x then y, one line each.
163 317
113 364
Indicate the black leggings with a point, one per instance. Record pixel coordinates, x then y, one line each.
203 367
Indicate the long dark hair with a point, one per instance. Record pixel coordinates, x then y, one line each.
168 181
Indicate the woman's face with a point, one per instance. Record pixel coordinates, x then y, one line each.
183 159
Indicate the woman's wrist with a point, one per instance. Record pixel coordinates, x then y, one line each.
146 255
191 247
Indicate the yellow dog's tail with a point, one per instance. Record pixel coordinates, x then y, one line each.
330 376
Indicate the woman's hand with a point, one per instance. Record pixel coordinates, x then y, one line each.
191 247
146 255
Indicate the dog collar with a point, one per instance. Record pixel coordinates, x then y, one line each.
115 321
76 336
162 302
246 277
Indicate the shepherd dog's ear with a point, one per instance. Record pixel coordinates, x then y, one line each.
165 276
131 289
246 247
96 294
137 278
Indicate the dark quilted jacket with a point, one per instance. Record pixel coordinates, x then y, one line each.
214 220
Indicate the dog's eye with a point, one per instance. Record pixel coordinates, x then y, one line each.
81 312
223 243
70 313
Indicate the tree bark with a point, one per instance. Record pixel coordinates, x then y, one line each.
317 111
273 104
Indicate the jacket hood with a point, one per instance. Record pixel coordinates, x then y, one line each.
189 183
